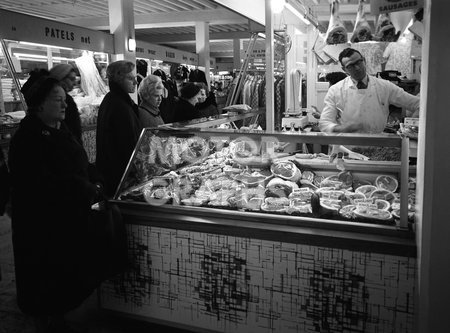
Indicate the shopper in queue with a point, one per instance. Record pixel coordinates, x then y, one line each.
51 197
151 92
67 76
360 103
184 108
118 124
206 105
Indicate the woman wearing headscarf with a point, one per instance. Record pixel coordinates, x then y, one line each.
67 76
184 109
118 124
51 196
151 92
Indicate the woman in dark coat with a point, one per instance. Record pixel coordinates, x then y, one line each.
118 125
185 107
66 75
51 199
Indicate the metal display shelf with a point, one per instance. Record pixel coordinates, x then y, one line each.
203 123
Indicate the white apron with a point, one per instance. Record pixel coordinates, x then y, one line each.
364 107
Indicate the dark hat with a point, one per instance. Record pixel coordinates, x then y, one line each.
189 90
60 71
39 90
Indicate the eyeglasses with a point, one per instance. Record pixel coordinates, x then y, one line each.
353 66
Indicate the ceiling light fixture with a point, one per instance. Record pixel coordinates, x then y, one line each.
131 44
277 6
26 55
46 45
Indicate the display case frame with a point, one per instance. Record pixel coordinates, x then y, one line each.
402 168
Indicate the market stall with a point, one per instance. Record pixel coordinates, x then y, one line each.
34 43
247 232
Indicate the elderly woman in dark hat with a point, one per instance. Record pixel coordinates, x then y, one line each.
151 92
185 107
51 198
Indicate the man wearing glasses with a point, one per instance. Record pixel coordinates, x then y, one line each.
360 103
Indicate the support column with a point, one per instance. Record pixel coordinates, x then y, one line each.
202 47
270 93
121 25
236 54
311 74
433 181
290 95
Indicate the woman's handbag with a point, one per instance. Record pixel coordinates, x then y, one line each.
109 239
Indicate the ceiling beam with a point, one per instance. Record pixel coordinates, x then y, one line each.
191 37
346 12
224 54
168 19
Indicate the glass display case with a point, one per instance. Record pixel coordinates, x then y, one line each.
268 177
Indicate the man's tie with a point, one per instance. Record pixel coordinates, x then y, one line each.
361 85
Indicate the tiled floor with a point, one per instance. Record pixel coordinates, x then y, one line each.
87 318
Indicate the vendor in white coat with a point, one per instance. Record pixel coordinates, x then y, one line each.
360 103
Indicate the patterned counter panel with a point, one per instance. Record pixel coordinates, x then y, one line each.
233 284
89 142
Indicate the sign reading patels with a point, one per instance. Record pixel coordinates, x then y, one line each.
387 6
20 27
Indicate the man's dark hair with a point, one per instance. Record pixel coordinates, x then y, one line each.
348 52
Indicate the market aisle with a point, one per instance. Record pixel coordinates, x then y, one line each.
87 318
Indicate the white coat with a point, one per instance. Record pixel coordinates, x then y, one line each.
345 104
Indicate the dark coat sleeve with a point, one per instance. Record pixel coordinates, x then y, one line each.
5 183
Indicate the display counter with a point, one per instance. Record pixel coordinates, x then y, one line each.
221 256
